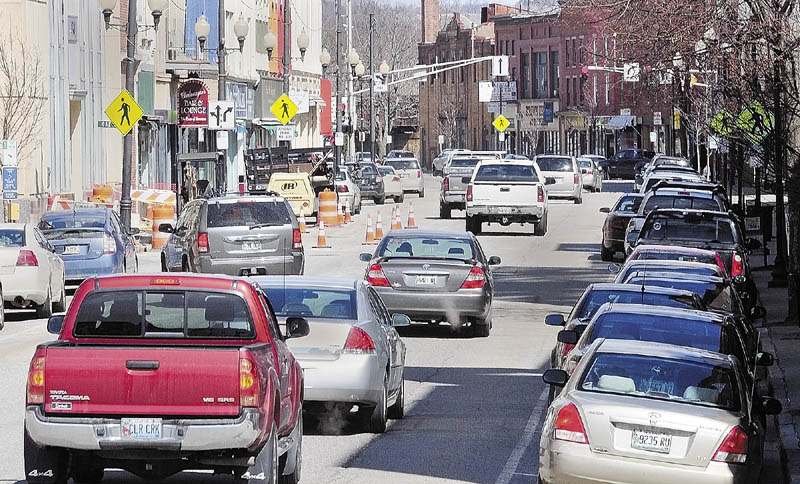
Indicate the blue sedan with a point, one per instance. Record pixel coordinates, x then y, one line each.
90 242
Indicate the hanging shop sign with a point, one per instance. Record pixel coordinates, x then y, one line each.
193 104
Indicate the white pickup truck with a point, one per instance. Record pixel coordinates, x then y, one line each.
506 192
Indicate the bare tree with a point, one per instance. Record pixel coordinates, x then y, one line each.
22 94
452 118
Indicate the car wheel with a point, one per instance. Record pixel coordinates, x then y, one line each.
61 305
579 200
380 200
164 267
87 475
421 193
473 225
599 187
375 417
185 265
541 227
444 211
45 310
481 328
607 255
397 411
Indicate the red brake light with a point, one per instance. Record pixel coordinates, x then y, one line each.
202 242
27 258
297 239
469 193
589 172
446 184
35 390
737 266
720 264
476 279
358 341
419 173
165 281
342 189
396 178
733 449
540 198
376 277
248 382
577 179
569 426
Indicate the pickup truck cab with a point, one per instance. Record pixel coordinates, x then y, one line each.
156 374
506 192
456 174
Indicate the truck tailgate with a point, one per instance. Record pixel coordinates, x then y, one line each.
142 380
504 194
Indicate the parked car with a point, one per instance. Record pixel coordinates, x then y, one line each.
455 179
677 253
623 164
591 175
90 242
370 182
392 183
671 174
236 235
31 274
399 154
672 413
438 164
353 354
644 167
566 175
616 222
348 191
155 374
410 174
666 266
434 276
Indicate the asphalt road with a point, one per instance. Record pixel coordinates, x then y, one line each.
473 406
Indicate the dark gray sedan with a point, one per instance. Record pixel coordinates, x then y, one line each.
434 276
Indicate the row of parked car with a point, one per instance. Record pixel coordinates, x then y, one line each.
657 373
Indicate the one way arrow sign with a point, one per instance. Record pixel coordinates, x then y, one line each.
221 115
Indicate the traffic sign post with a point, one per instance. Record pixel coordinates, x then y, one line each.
9 152
284 133
284 109
221 116
124 112
9 182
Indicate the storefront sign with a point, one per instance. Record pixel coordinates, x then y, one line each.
193 104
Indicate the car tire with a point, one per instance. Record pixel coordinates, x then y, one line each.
578 200
481 328
380 200
445 212
399 199
473 225
541 228
45 310
397 411
375 417
606 255
421 193
185 266
87 475
164 267
61 305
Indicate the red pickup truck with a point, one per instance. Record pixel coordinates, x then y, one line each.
158 374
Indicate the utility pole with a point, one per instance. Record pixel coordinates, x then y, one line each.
125 202
287 48
221 52
337 150
371 94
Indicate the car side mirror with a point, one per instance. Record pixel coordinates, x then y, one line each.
614 268
752 244
567 336
494 260
296 327
765 359
605 210
549 181
758 312
135 231
400 320
771 406
554 320
165 228
55 323
365 257
555 377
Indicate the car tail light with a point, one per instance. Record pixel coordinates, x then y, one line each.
733 450
476 279
577 179
419 173
446 184
342 189
589 172
248 382
396 178
109 244
720 263
376 277
569 426
378 179
469 193
27 258
297 239
540 197
618 223
358 341
737 265
202 242
35 392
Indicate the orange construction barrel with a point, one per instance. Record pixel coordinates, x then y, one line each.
328 208
104 193
162 214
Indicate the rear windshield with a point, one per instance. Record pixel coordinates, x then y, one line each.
664 254
584 164
506 173
669 201
400 154
386 170
673 162
12 238
341 176
554 164
173 314
368 169
313 303
464 162
628 203
76 222
597 298
651 182
715 295
662 379
701 229
427 247
659 329
403 164
681 269
245 213
81 233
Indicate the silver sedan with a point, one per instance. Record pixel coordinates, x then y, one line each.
352 354
638 412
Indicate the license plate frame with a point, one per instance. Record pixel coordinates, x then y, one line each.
72 249
504 210
252 245
141 428
425 280
641 440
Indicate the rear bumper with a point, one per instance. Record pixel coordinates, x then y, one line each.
179 434
85 268
572 192
372 193
529 213
450 306
29 283
291 264
455 198
350 378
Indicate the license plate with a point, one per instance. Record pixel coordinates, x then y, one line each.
651 441
141 428
426 280
251 245
503 209
72 249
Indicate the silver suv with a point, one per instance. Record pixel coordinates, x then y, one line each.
236 236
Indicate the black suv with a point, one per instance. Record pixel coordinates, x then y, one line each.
623 164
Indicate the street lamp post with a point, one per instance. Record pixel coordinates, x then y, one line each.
355 61
384 70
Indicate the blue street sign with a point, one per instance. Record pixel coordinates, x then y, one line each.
9 182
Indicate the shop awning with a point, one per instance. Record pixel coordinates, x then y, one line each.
621 122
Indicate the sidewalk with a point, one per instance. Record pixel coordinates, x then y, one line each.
782 340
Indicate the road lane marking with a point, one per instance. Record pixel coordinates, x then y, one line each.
514 459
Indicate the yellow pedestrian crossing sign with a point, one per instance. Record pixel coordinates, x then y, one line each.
500 123
284 109
124 112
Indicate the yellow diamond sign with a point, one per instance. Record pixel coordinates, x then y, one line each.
500 123
284 109
123 112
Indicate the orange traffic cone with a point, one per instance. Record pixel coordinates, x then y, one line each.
302 222
412 224
379 227
322 242
340 214
396 224
370 237
347 216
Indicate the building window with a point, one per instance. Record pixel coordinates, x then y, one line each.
540 75
525 75
566 53
594 90
474 73
554 74
582 95
594 49
607 87
513 47
569 94
575 91
580 52
574 53
513 73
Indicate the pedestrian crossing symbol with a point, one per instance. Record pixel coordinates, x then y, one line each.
124 112
284 109
500 123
